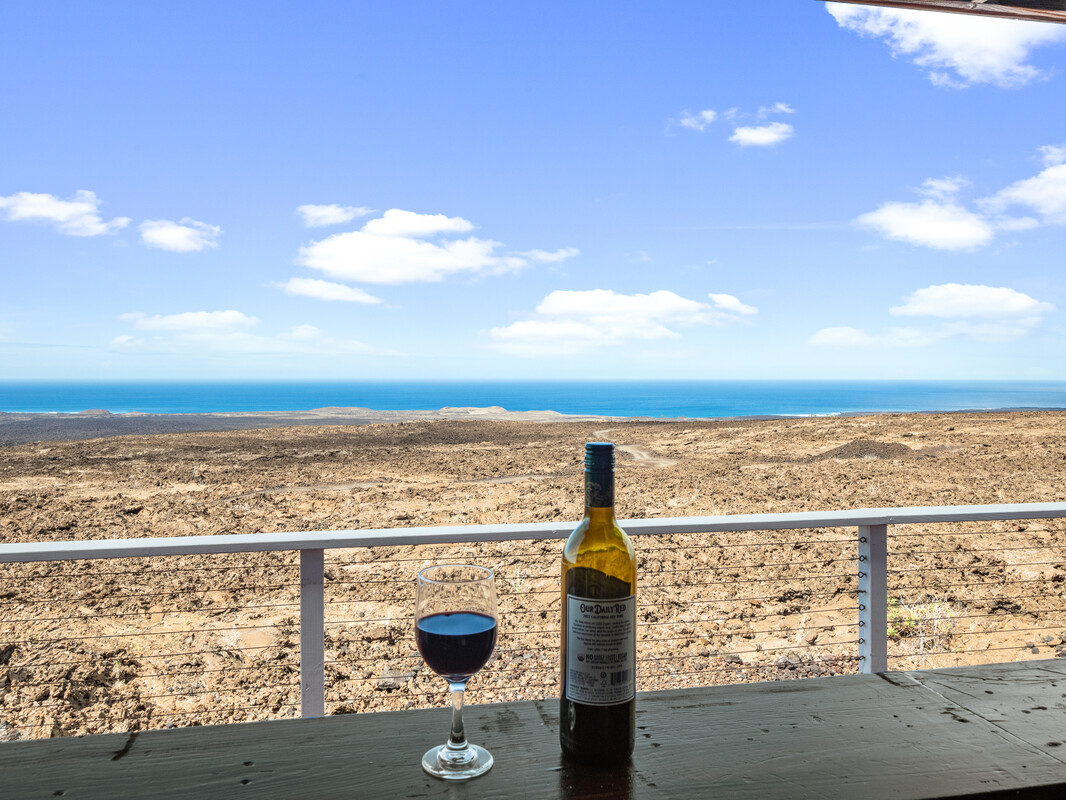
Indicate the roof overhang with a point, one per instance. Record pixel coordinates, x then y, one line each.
1034 10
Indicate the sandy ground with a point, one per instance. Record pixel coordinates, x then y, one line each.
127 644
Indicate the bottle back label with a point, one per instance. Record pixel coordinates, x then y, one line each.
600 645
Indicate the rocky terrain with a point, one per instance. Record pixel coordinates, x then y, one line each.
131 643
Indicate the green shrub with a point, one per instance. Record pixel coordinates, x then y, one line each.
926 624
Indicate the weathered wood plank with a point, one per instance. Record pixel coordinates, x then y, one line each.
909 736
844 738
357 756
1029 705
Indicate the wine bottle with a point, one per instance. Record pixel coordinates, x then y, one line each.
598 643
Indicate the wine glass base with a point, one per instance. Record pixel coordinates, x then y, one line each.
457 765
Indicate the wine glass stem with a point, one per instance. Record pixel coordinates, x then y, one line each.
457 741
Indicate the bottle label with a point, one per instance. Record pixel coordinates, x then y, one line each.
600 645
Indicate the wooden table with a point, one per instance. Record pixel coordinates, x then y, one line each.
995 731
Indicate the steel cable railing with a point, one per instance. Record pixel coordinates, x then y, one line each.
970 595
144 639
665 569
100 649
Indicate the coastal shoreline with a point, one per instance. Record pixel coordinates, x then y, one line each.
26 427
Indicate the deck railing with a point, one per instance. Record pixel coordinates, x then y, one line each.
871 565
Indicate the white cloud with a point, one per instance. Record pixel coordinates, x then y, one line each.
1045 193
227 332
397 222
571 322
304 333
983 313
941 221
191 321
698 121
847 337
943 226
841 336
957 50
1004 330
1016 223
366 258
962 301
728 303
551 257
187 236
320 216
943 188
762 135
79 216
309 339
552 337
630 310
326 290
776 108
406 247
1053 154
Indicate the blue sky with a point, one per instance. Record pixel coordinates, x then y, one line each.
766 189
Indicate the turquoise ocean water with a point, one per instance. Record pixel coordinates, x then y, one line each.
662 399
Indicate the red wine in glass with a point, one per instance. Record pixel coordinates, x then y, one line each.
456 645
455 630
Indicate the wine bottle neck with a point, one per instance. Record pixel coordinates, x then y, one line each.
599 490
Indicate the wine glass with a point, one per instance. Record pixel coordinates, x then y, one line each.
455 629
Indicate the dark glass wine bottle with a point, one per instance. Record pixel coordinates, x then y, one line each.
599 585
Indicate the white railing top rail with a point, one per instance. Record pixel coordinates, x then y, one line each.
461 534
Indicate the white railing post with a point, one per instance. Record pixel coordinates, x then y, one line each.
873 598
312 634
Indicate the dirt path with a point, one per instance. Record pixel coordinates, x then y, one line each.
641 456
644 458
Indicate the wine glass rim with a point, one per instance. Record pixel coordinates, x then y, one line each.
487 574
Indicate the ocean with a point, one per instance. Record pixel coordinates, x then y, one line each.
659 399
